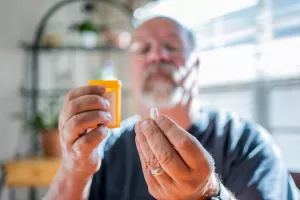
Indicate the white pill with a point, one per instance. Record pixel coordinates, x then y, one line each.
153 113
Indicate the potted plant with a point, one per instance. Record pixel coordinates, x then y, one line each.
89 32
45 124
47 128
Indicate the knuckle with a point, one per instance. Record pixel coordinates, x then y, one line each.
74 105
86 89
165 157
189 186
185 143
101 116
150 131
82 149
86 141
76 122
66 135
145 167
168 127
192 186
151 161
79 152
98 101
69 96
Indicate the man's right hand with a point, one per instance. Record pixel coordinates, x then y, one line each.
83 108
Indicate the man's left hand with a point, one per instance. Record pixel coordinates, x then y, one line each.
185 169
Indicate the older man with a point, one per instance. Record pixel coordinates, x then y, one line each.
182 154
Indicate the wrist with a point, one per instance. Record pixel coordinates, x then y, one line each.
82 168
69 185
75 175
211 189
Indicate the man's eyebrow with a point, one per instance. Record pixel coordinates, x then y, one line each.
174 34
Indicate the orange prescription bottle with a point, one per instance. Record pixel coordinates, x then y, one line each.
113 95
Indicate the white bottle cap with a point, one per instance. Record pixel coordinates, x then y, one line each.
153 113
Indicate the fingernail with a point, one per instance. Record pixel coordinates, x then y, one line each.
107 104
160 120
108 115
137 128
101 89
145 124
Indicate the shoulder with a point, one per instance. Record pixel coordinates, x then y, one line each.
229 125
236 137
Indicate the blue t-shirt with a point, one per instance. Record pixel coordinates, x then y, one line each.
247 161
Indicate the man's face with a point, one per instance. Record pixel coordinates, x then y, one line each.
158 53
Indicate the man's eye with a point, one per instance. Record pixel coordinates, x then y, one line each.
139 48
172 48
144 49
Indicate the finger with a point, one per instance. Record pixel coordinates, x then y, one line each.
151 181
190 150
86 147
75 93
156 187
82 104
78 124
89 141
151 160
189 70
187 74
153 140
85 90
189 92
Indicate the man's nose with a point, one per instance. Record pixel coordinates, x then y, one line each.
158 54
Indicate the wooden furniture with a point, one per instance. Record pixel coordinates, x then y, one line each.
37 172
29 172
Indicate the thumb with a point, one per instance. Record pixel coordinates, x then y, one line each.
189 148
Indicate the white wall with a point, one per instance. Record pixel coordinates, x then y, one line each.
17 22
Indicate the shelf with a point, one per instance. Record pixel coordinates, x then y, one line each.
25 92
54 93
30 47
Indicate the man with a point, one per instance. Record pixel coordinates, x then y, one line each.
180 154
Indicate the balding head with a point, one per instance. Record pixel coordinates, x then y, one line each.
163 21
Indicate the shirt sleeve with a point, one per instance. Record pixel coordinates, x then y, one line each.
256 169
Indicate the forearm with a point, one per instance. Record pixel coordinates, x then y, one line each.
69 186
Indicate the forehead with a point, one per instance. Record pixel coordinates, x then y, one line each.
159 28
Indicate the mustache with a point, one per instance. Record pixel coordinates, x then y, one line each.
164 68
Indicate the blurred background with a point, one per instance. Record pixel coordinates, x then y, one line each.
250 66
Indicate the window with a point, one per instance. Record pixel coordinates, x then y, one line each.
250 64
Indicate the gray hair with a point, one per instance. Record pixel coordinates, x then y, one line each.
192 44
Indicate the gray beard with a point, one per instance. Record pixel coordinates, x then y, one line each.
163 95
